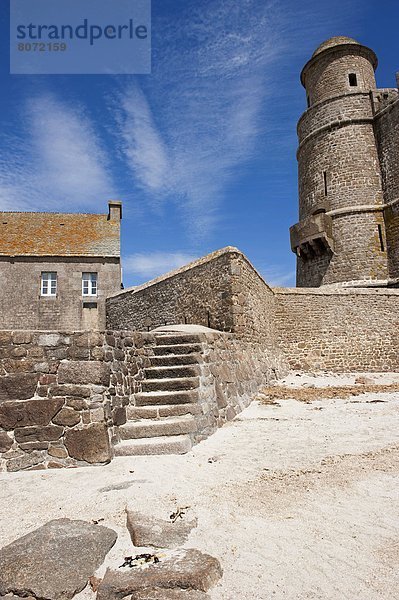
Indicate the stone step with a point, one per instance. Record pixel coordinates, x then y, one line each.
152 411
169 372
175 359
147 428
177 444
166 398
173 384
177 338
166 349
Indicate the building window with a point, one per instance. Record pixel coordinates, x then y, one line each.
89 284
49 284
308 100
352 79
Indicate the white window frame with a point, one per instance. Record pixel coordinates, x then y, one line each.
48 284
89 284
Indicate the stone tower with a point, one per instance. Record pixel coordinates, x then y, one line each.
341 235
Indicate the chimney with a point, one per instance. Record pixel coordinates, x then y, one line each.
114 210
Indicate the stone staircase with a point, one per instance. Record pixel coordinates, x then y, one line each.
162 419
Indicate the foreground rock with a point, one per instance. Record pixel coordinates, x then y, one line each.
185 570
149 531
55 561
162 594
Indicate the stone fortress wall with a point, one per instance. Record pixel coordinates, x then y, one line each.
346 159
222 291
65 396
386 125
339 330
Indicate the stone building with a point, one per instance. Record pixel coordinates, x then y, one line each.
57 269
348 156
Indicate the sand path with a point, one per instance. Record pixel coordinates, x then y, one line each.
298 501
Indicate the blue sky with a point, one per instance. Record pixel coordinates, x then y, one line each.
202 151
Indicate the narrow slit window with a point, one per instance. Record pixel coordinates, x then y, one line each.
381 238
308 100
353 79
325 183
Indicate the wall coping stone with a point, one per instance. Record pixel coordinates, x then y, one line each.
341 291
192 265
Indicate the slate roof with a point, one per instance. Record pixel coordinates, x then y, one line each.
58 234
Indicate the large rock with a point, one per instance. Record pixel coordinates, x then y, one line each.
5 442
26 461
162 594
49 433
187 570
84 371
149 531
67 417
90 444
19 386
30 412
55 561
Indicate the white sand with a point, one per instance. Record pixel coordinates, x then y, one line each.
300 501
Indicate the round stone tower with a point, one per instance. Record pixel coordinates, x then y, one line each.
340 237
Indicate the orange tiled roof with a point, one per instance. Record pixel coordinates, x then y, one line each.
58 234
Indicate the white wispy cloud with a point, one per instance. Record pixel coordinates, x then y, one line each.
56 163
153 264
187 133
278 276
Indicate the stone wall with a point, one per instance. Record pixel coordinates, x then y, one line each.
222 291
63 396
232 372
387 135
22 306
339 330
53 389
198 293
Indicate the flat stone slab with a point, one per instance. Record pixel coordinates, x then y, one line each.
29 412
84 372
184 570
55 561
149 531
162 594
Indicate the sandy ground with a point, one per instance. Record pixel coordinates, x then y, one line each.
298 500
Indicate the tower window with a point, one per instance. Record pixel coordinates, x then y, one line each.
308 100
352 79
325 183
381 238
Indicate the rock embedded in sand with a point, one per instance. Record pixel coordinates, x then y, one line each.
184 570
149 531
55 561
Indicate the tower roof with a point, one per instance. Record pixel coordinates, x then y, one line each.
338 40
